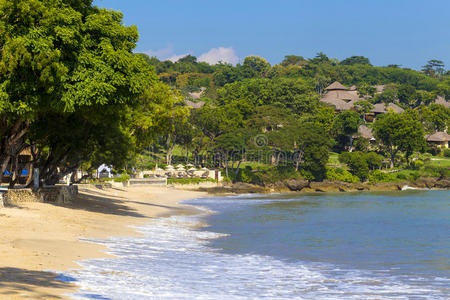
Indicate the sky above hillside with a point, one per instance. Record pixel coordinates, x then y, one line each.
405 32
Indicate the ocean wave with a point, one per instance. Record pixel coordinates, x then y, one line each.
172 260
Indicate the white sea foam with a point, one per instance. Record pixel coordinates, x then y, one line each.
172 260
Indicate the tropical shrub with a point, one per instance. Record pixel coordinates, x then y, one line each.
339 174
122 178
447 152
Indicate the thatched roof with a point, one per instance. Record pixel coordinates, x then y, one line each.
381 108
343 95
339 104
336 86
441 100
365 132
380 88
438 137
352 88
194 105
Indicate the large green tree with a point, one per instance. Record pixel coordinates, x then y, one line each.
399 132
59 57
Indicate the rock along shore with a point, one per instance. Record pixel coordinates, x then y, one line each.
305 186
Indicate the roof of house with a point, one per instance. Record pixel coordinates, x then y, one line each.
339 104
336 86
438 137
365 132
382 108
441 100
379 88
343 95
194 104
352 88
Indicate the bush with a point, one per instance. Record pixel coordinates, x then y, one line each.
339 174
122 178
361 144
378 176
433 150
436 171
447 152
417 164
374 160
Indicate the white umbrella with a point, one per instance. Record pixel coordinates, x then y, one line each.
169 167
192 169
180 166
189 165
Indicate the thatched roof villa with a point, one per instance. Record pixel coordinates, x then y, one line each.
440 139
340 96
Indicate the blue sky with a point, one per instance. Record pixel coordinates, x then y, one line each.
405 32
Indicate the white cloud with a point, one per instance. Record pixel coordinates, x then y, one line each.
175 57
165 54
221 54
213 56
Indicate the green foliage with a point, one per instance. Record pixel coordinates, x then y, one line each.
379 176
361 144
400 132
359 163
122 178
344 126
339 174
314 146
447 152
435 117
374 160
356 60
417 164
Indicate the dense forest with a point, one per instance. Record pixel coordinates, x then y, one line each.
74 95
273 114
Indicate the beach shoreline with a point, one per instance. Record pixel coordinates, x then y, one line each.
38 237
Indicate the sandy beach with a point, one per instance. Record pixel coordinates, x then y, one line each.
37 237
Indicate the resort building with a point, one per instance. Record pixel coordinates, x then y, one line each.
442 101
439 139
341 97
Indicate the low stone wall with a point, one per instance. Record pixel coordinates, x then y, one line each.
147 181
102 186
51 194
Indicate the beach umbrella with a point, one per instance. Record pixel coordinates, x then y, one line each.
190 165
204 169
169 167
180 166
192 169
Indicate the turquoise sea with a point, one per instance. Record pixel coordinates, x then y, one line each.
284 246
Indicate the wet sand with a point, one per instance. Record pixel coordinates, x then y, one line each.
37 237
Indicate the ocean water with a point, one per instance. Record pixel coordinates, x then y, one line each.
283 246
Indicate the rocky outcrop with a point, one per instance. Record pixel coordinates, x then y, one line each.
425 182
442 184
297 184
304 186
246 188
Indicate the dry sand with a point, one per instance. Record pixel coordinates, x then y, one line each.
36 237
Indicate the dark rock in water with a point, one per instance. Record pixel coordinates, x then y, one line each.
246 188
326 186
442 184
425 182
297 184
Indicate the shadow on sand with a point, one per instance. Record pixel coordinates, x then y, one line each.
16 283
